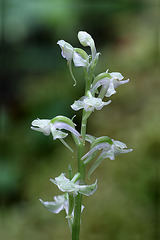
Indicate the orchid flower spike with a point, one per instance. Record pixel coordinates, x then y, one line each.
89 103
109 82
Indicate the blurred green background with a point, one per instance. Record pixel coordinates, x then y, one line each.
36 83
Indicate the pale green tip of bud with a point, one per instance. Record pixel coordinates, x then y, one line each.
85 38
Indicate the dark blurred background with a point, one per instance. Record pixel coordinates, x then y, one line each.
35 82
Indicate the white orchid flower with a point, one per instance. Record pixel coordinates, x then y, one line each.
110 148
78 56
109 82
89 103
70 53
72 187
60 202
86 40
54 127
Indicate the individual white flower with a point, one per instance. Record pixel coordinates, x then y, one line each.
86 40
89 103
72 187
110 148
77 55
116 148
60 202
109 82
54 127
70 53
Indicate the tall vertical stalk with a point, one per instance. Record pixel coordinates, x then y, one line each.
81 170
103 84
81 166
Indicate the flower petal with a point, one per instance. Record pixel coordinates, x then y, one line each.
77 105
67 49
88 189
110 90
79 61
56 206
119 144
118 151
118 83
116 75
41 125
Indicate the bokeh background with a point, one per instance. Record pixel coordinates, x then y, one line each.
36 83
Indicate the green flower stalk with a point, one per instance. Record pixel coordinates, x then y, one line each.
96 89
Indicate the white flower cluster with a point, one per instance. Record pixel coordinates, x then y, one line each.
67 186
97 87
106 82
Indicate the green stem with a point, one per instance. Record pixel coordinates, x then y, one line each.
81 166
81 170
78 198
